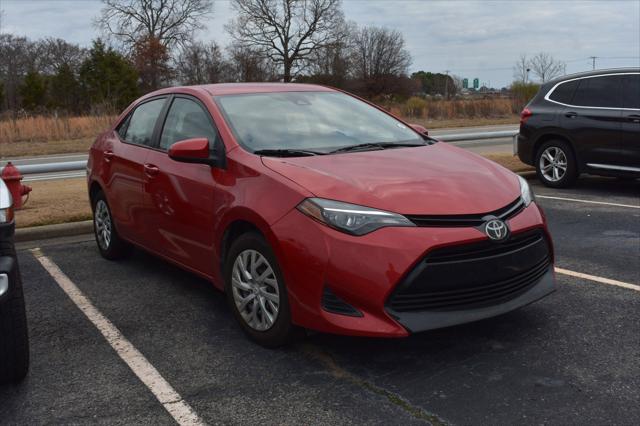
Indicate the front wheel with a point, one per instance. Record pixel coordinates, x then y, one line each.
256 292
556 165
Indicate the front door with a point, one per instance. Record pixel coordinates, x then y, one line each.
179 197
630 141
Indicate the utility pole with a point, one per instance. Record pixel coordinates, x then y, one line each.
593 58
446 85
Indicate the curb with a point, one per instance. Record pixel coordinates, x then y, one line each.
53 231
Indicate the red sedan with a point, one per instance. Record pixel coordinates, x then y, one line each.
311 208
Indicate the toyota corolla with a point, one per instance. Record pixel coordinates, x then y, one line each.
313 209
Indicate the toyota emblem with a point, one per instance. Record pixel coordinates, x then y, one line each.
496 229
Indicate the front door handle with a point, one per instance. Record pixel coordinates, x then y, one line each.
108 155
151 170
571 114
634 117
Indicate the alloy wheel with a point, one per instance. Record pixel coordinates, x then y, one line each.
102 220
255 290
553 164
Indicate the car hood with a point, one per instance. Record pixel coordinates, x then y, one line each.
438 179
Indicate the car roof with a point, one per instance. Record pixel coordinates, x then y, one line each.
245 88
592 73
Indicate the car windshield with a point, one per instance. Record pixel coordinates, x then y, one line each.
313 121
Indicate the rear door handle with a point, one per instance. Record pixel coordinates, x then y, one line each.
634 117
151 170
108 155
571 114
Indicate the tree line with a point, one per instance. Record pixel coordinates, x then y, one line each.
149 44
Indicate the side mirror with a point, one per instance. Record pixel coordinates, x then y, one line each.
193 151
420 129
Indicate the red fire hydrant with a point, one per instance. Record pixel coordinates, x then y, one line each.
12 177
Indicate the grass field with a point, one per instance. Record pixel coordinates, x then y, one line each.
66 200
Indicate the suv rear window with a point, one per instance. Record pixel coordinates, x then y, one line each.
601 92
564 92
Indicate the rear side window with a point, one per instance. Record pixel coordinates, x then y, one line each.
564 92
631 92
602 92
142 122
187 119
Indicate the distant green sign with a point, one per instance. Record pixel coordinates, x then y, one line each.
476 83
465 83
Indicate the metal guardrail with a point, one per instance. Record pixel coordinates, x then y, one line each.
68 166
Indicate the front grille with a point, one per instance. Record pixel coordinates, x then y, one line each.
467 220
332 303
474 275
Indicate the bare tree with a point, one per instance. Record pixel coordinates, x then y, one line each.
55 53
200 63
545 67
18 57
247 64
521 69
379 52
170 22
287 31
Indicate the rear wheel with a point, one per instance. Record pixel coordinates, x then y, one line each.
556 165
256 292
110 244
14 337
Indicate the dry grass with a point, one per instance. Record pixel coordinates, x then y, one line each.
46 129
55 201
432 124
66 200
23 149
454 109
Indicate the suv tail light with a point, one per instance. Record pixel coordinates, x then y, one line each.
524 115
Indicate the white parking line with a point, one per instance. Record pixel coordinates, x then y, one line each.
147 373
601 280
588 201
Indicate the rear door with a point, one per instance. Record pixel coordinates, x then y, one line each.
125 158
630 141
594 119
179 197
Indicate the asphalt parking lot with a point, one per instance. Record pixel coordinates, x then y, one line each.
572 358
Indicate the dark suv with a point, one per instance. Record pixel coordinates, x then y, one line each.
583 123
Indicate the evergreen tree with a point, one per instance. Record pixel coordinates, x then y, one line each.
108 78
65 91
33 91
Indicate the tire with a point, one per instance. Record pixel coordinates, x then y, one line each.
556 164
14 336
110 245
247 250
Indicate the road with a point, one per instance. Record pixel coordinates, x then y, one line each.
502 145
570 359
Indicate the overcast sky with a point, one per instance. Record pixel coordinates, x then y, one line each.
470 38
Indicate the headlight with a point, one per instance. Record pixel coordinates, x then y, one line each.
525 191
350 218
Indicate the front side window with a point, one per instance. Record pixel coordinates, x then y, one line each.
318 121
603 92
631 92
142 122
186 120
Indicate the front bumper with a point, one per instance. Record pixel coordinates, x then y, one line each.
365 271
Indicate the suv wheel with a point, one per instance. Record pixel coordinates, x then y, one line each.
256 292
110 244
556 165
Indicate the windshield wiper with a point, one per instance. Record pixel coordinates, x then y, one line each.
379 145
287 152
